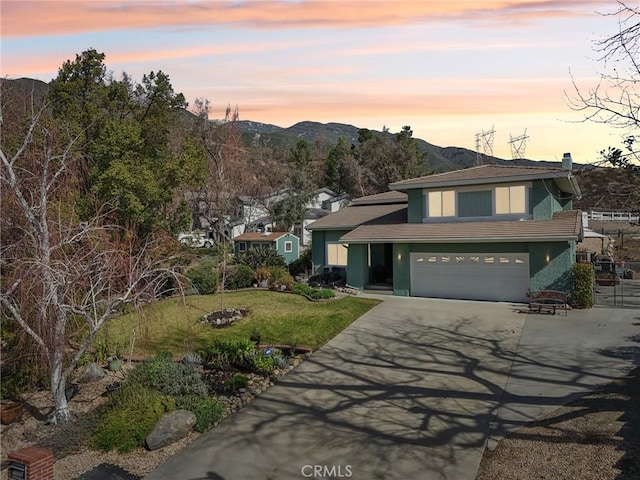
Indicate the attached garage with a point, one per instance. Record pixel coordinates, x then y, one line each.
470 276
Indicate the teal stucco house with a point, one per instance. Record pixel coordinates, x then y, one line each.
490 232
286 244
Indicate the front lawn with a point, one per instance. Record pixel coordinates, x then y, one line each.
278 318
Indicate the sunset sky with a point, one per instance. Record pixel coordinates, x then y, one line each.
449 69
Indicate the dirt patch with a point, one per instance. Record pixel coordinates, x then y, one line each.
596 437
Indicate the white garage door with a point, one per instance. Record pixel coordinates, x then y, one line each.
472 276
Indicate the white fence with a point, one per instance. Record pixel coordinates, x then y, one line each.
613 216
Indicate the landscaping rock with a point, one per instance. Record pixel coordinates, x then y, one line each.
170 428
224 318
91 373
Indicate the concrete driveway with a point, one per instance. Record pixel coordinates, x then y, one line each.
414 389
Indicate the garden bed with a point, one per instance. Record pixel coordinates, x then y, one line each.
70 442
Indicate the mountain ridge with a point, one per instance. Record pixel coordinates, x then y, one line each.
439 159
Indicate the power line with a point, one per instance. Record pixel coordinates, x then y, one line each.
484 140
518 145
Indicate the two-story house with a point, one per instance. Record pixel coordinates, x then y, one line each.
484 233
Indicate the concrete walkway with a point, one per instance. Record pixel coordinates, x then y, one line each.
414 389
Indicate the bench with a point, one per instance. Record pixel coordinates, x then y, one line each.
550 300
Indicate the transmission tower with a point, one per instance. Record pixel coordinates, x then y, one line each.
484 140
518 145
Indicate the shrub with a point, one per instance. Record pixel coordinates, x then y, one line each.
261 257
263 363
583 278
208 410
302 264
204 277
280 276
229 352
162 374
239 276
314 293
129 418
266 361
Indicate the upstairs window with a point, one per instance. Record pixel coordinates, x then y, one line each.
511 199
442 203
475 204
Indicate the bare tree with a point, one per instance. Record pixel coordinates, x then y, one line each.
225 169
615 100
62 278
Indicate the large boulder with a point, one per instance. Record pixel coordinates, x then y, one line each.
170 428
91 373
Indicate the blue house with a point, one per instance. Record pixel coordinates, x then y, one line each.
286 244
484 233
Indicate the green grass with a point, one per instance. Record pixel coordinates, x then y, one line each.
279 318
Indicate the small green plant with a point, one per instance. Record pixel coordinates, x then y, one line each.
266 361
208 410
583 278
129 418
204 277
229 352
101 349
314 293
171 378
238 381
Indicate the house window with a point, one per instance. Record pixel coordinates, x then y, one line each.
475 204
442 203
288 247
242 246
511 199
336 254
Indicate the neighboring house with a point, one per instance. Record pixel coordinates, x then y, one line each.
286 244
484 233
253 214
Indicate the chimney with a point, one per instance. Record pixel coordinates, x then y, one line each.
567 162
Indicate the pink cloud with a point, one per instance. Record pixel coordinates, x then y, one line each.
41 17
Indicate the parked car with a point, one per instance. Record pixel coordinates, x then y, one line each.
195 239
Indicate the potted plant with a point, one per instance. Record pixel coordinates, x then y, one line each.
262 276
11 404
10 411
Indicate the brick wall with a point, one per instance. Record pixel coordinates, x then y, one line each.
39 462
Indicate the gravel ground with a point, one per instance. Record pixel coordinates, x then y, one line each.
68 442
596 437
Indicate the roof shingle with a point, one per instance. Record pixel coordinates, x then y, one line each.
482 174
566 225
354 216
259 237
